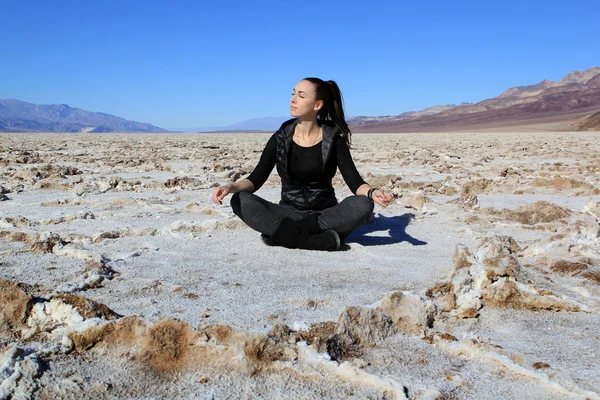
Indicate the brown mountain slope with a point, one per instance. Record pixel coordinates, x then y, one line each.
591 123
581 77
567 100
526 91
555 107
594 82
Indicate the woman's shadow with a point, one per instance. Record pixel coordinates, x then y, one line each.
395 227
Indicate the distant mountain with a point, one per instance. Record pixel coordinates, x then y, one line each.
259 124
431 110
577 94
269 124
19 116
389 119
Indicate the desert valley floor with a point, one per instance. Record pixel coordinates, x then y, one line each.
119 278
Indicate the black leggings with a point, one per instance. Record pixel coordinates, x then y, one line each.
264 216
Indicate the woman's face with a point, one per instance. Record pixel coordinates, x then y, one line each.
304 101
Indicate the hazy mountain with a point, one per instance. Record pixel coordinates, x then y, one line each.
574 96
19 116
259 124
431 110
269 124
390 119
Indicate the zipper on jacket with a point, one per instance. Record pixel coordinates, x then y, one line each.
304 190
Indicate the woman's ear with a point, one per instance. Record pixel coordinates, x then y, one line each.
318 105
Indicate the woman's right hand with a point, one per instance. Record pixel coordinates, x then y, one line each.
220 192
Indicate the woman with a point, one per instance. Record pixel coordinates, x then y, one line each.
307 151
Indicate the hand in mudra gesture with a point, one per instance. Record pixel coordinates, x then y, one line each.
382 198
219 193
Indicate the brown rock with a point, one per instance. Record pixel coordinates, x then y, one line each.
441 288
106 235
87 339
15 305
473 188
321 335
363 326
443 296
567 267
593 276
47 244
506 293
261 351
416 201
536 213
593 207
462 257
498 254
540 365
167 345
220 333
469 202
88 308
123 332
383 181
279 333
408 311
470 312
17 236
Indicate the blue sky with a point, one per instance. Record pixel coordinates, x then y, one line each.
197 63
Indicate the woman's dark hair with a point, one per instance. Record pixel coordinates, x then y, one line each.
332 109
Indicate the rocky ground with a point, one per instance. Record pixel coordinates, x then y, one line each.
120 279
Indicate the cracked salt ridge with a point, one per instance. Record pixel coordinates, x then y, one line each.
19 370
59 320
45 212
465 349
98 269
491 276
20 366
477 296
469 371
559 346
101 268
513 200
347 372
210 225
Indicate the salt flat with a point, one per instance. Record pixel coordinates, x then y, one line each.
121 279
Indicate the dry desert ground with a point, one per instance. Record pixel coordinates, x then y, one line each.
121 279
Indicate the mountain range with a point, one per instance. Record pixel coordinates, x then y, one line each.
565 105
572 103
19 116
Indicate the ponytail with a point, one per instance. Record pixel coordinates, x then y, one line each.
333 109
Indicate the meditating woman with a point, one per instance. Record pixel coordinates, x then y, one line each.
307 151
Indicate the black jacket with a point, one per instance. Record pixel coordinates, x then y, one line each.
316 195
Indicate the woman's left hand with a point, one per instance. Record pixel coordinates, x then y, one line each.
382 198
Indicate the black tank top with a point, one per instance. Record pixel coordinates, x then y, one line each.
305 163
